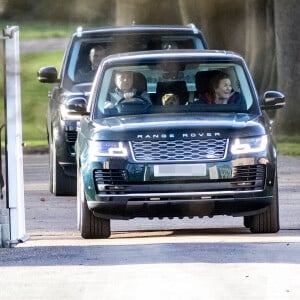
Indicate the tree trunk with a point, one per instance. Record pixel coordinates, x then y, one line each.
287 16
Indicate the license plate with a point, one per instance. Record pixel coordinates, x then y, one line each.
180 170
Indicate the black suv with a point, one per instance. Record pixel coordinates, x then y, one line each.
70 93
176 134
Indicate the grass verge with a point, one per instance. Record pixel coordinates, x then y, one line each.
34 95
288 145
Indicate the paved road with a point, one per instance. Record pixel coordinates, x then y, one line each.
179 259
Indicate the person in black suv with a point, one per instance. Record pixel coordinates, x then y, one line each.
219 90
88 72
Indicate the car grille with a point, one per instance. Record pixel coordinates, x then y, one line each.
179 150
249 177
71 136
110 176
244 178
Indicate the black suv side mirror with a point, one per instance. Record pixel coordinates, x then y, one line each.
272 100
76 105
47 75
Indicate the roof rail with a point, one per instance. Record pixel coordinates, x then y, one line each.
193 26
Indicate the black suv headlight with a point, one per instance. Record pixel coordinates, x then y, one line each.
249 145
108 149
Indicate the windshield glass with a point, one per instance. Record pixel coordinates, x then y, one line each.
173 86
86 54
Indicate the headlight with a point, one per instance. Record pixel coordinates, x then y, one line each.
112 149
249 145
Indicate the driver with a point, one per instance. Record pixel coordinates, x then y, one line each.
125 90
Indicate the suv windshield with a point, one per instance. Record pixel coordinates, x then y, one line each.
79 62
173 86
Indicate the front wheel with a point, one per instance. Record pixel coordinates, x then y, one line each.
268 221
89 226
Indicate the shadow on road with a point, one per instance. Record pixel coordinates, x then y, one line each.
153 253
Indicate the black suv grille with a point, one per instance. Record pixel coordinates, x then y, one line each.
179 150
249 177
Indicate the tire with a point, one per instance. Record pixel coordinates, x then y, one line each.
247 221
268 221
60 184
89 226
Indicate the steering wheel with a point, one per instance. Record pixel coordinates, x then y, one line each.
137 105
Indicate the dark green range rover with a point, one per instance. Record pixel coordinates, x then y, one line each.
172 146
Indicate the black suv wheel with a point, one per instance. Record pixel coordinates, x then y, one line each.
60 184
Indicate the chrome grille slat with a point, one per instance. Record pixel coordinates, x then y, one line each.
71 136
179 150
249 176
104 176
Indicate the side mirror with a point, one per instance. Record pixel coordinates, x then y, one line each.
47 75
272 100
76 105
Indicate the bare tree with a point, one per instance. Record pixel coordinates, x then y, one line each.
287 16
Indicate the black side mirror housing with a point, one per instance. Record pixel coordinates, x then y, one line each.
76 105
48 75
272 100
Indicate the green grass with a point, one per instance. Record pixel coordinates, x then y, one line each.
34 95
288 145
292 149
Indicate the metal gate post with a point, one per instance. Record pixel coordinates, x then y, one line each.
13 136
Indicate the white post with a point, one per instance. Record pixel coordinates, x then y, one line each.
14 160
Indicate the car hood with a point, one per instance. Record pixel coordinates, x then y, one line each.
172 126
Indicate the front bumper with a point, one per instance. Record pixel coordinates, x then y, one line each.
248 191
180 206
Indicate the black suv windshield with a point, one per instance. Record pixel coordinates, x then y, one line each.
173 86
78 68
